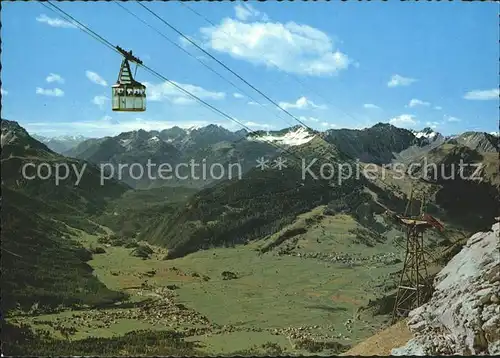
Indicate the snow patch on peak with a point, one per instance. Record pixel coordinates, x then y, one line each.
425 134
295 137
193 128
61 138
125 142
70 137
154 139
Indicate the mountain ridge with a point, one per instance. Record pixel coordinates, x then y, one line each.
38 217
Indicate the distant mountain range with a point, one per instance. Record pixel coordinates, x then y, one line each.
380 144
60 144
38 214
213 144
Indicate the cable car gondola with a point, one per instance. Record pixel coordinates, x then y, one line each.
128 95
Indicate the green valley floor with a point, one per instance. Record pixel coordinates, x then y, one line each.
234 300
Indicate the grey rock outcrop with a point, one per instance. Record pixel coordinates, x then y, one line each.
463 315
480 141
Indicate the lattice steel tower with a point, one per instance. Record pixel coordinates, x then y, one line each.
414 287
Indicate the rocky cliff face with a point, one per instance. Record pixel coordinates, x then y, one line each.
463 315
480 141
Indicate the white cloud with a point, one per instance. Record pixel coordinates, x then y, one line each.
308 119
94 77
238 95
483 95
451 118
397 80
258 125
182 100
110 120
253 103
185 43
54 77
290 47
371 106
244 12
56 92
432 125
417 102
4 92
301 103
329 125
100 101
55 22
403 120
438 108
166 91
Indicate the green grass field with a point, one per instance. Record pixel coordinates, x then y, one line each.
281 299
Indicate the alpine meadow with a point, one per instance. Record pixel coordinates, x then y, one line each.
239 178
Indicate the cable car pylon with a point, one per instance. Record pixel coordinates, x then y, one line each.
414 286
128 95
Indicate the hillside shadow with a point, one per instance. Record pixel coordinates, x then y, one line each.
327 308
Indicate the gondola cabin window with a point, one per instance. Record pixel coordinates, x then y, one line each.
129 98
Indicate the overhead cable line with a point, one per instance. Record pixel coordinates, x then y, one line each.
230 70
200 61
208 105
224 65
155 73
295 78
213 108
110 45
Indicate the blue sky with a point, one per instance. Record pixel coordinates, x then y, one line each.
332 64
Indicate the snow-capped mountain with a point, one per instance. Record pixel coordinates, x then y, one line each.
292 137
425 133
61 144
424 141
382 143
211 144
